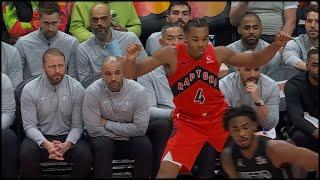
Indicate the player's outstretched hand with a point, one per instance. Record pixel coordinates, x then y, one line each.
281 38
133 51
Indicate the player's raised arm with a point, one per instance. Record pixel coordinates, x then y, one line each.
252 59
134 68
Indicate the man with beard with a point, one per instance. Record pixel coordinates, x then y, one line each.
296 50
51 107
275 16
124 18
22 17
106 41
32 45
259 157
116 114
249 87
192 69
180 13
302 103
250 29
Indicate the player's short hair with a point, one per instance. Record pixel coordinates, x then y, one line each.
175 3
49 7
52 51
196 22
169 25
238 111
312 50
250 14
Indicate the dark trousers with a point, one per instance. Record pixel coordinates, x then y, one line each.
158 132
9 154
106 149
268 38
205 163
31 155
304 140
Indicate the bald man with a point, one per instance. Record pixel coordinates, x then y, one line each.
105 42
116 114
124 11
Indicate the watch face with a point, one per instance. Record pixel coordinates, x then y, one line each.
259 103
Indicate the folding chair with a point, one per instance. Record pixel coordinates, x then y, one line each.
90 79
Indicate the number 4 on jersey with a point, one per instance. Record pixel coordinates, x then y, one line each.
199 98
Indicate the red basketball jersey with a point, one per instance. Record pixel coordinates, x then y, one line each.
195 86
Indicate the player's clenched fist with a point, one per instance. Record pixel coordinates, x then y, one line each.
133 51
281 38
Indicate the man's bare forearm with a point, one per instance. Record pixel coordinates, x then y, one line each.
254 59
289 20
130 70
289 27
263 115
265 55
237 12
301 66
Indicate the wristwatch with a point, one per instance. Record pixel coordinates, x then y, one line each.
259 102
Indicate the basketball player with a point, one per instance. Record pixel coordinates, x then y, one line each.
259 157
192 70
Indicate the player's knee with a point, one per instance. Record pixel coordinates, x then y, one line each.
168 170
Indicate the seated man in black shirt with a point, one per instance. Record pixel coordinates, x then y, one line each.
254 156
302 103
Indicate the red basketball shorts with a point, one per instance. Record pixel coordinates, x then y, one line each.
188 137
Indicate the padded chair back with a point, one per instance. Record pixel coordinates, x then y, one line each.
90 79
86 83
17 125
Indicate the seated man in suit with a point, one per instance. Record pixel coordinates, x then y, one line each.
302 103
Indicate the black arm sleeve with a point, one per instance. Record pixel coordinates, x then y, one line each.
24 10
295 110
